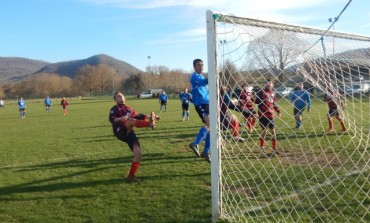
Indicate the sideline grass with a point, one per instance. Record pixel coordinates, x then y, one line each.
72 169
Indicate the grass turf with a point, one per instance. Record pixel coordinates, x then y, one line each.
57 168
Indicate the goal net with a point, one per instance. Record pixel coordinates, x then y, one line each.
311 171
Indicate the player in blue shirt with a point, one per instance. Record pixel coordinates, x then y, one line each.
22 108
163 98
301 98
185 98
47 103
200 99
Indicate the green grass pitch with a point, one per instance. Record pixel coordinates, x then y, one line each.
56 168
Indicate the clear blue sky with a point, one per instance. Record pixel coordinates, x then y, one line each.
172 32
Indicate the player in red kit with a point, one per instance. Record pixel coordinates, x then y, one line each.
266 101
64 103
124 119
333 109
246 102
228 120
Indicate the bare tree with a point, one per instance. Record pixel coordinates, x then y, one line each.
87 79
133 84
275 51
230 74
105 77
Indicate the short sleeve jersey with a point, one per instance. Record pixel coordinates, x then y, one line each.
329 100
266 101
119 110
163 97
246 99
22 104
185 98
200 91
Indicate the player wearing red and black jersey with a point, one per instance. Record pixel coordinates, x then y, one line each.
333 110
246 101
227 120
123 119
266 101
64 103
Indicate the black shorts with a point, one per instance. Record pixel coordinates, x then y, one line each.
226 122
163 102
130 138
248 113
202 110
22 109
266 122
333 112
185 107
298 111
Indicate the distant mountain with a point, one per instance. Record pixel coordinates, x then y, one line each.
70 68
13 69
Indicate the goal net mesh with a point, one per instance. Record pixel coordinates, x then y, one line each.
318 175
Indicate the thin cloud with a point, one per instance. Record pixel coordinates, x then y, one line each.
188 36
239 6
263 9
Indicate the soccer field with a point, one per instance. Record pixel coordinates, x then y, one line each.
56 168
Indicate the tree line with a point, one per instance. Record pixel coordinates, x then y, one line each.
96 81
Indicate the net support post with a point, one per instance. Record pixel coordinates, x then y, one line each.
213 102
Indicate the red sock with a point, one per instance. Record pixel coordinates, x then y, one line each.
134 168
274 144
262 143
235 127
141 124
253 122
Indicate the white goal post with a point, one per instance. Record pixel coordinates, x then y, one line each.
314 172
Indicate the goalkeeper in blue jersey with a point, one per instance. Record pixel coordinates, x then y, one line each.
301 99
200 99
185 98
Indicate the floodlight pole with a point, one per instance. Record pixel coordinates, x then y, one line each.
223 42
150 73
333 21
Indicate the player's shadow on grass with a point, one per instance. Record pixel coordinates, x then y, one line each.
96 126
296 135
51 184
165 158
100 138
81 163
76 163
167 135
48 197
